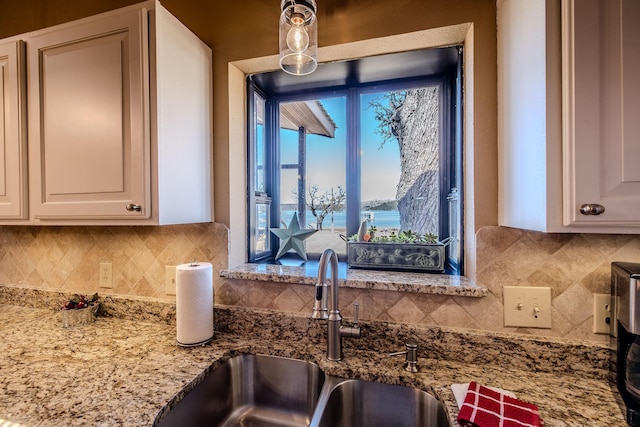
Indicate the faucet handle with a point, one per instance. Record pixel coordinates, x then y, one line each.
356 312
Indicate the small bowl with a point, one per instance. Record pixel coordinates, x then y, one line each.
82 316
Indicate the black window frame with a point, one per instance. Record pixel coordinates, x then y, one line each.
450 92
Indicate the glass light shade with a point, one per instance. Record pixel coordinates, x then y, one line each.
298 37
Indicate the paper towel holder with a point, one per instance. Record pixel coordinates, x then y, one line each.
194 304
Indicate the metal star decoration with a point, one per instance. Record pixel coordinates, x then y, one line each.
292 238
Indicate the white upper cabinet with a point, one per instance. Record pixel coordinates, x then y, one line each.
567 137
88 114
13 149
602 112
120 111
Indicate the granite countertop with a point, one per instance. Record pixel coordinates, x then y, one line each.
118 371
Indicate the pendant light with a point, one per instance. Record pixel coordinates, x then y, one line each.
298 37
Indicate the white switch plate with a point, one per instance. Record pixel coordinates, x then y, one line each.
601 313
527 306
170 279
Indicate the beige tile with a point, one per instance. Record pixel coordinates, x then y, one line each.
550 243
629 252
155 276
428 303
231 293
9 273
584 331
598 280
347 299
406 311
575 304
376 304
549 274
143 260
22 262
306 294
34 279
489 313
144 288
578 258
496 240
268 291
130 272
476 306
121 285
258 298
524 257
607 244
288 300
492 242
498 275
451 314
560 323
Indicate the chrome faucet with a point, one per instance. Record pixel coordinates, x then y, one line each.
336 331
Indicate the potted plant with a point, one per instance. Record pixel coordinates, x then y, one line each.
404 251
79 310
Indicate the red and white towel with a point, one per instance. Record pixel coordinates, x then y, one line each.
483 407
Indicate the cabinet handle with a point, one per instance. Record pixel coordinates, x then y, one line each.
133 208
591 209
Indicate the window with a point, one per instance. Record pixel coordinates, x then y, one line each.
375 140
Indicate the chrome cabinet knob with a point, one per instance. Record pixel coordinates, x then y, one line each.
591 209
133 208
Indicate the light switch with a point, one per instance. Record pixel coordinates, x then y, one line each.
527 306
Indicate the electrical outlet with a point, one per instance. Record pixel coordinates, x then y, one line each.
601 313
527 306
170 279
106 278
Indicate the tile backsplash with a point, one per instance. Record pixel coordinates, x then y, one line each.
67 258
575 266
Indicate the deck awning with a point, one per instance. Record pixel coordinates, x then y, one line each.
310 115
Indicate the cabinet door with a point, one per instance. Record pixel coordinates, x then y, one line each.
89 125
602 112
13 166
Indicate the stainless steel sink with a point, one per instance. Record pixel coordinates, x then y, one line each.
355 403
268 391
251 391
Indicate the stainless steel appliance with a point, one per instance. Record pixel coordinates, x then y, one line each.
625 333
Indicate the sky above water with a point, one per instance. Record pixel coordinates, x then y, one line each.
326 157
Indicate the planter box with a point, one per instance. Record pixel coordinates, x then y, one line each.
420 257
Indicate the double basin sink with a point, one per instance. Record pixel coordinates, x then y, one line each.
268 391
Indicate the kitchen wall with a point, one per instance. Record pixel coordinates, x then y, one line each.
240 31
575 266
67 258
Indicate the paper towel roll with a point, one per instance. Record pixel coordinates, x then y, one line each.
194 303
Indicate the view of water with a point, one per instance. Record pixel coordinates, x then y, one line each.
381 219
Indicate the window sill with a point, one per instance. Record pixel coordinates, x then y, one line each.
425 283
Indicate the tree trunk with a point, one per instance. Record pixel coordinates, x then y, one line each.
416 125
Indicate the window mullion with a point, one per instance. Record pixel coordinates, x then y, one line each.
272 176
353 161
